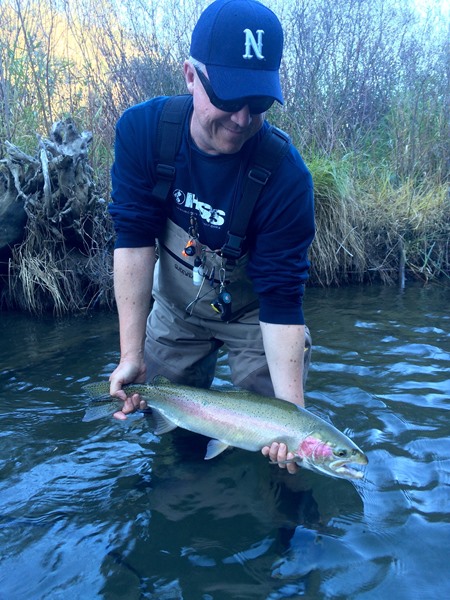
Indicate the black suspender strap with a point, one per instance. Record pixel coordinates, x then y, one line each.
170 131
268 156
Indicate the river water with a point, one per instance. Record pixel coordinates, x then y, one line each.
108 510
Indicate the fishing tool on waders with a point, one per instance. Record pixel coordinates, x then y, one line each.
201 280
222 304
199 275
197 272
191 247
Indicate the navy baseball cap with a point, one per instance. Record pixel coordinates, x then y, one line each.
241 44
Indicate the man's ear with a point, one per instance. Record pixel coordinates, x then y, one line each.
189 74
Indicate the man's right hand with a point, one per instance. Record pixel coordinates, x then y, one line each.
127 372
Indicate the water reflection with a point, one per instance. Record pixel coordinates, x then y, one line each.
108 510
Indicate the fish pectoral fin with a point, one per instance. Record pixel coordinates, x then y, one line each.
163 424
214 448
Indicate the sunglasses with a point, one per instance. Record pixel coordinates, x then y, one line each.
256 104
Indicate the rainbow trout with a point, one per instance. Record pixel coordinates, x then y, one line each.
241 419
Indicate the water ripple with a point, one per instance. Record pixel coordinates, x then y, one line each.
108 510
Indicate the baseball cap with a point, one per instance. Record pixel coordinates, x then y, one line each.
241 44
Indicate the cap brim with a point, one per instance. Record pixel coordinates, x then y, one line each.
229 84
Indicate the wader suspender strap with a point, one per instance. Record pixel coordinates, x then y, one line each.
170 130
268 156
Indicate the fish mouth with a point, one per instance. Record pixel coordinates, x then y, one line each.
342 469
346 470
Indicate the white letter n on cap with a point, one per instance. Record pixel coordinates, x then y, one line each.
250 43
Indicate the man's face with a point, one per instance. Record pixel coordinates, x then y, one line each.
215 131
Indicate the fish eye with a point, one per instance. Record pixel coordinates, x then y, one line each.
341 452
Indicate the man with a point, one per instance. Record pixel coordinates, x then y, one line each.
252 305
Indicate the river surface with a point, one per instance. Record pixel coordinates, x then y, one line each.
106 509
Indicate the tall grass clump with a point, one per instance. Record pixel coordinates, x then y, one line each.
409 229
45 275
368 105
376 228
338 252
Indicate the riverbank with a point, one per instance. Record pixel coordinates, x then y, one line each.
372 227
366 102
369 229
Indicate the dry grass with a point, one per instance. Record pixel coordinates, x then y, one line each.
45 275
368 228
338 252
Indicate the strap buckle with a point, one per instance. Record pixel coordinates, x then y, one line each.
233 246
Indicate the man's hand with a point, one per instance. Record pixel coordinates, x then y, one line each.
278 453
127 372
131 404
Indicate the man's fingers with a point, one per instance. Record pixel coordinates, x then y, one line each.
120 394
120 415
278 453
130 405
275 452
291 467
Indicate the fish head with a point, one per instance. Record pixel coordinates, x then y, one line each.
336 457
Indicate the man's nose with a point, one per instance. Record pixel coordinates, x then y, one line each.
242 117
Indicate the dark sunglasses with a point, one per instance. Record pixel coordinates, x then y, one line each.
256 104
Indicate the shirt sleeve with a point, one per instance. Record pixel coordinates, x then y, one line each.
138 217
284 226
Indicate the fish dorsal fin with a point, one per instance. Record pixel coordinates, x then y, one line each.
214 448
163 424
161 380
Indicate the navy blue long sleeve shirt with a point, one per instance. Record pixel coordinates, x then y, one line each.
281 228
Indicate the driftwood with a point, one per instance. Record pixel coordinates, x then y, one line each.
55 233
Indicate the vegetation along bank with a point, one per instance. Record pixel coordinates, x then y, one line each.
367 104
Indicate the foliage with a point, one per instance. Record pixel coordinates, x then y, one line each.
366 88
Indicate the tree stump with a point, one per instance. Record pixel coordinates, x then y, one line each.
55 232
